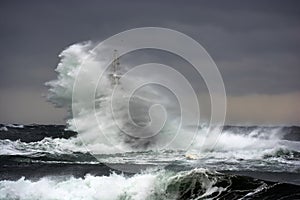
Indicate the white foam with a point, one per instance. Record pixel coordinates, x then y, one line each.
47 145
230 146
138 187
3 128
148 185
15 125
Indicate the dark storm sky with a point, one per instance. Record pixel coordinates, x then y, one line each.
255 44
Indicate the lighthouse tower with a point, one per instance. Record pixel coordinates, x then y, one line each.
114 75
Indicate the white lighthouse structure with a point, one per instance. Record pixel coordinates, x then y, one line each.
114 75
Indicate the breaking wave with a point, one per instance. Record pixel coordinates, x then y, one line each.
195 184
113 140
137 123
238 148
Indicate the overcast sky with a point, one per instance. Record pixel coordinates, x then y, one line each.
255 44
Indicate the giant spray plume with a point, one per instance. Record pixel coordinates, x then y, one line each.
140 108
122 132
120 129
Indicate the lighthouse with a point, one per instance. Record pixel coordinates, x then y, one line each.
114 73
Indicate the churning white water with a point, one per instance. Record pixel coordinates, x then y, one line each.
148 185
109 133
